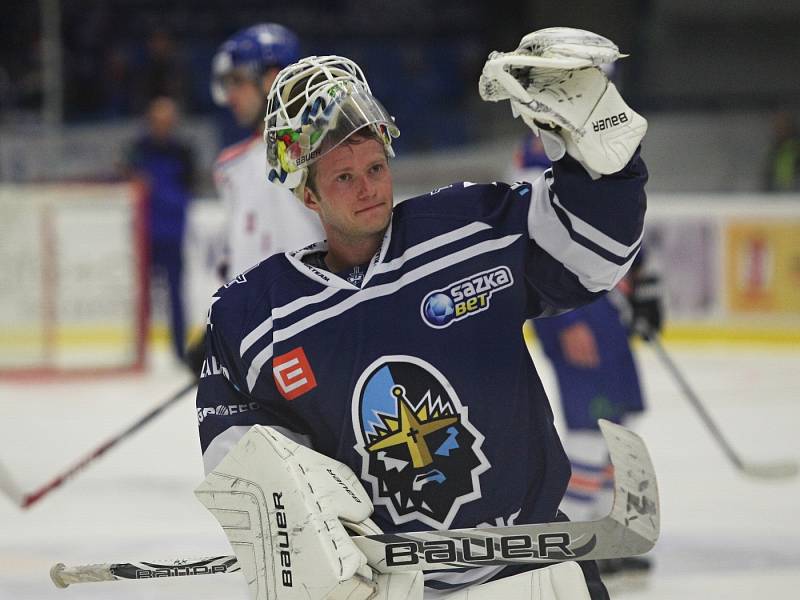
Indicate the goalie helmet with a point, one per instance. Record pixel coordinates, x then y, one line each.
253 50
313 106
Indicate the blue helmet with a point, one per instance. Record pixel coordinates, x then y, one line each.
253 50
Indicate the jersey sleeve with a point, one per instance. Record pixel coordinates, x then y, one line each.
584 234
226 409
581 234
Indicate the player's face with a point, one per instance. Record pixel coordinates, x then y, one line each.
245 98
354 190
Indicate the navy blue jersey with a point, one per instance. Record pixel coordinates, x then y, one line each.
420 379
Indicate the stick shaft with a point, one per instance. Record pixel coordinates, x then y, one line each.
63 576
58 480
766 470
695 401
631 528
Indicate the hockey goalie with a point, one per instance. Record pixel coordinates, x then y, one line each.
378 381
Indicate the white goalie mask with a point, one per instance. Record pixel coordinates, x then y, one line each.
313 106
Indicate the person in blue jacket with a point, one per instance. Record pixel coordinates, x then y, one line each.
163 167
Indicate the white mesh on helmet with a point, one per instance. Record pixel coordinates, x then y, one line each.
313 106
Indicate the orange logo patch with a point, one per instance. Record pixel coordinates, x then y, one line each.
293 374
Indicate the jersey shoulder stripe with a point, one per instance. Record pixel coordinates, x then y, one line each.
468 201
239 305
594 254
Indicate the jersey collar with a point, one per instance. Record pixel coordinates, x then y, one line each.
329 279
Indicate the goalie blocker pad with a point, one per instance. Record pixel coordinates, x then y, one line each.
553 79
280 505
610 135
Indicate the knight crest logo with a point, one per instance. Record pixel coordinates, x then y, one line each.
419 451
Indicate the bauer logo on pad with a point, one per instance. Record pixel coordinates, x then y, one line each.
293 374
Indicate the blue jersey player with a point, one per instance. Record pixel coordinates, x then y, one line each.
595 370
597 378
395 346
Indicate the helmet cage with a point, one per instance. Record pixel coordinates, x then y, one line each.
314 106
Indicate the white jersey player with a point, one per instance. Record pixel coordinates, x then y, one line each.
262 218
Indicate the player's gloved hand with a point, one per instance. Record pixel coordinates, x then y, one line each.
639 300
390 586
646 304
554 82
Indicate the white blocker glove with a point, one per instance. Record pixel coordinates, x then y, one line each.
283 507
554 81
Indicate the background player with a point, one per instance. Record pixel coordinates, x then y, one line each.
163 166
395 347
262 218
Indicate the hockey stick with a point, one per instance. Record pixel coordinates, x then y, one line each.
631 528
63 577
764 470
26 500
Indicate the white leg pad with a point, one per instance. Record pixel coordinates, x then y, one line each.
280 505
561 581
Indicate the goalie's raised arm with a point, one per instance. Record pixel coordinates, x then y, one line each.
553 80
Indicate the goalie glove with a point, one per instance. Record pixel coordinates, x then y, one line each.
639 298
646 304
554 82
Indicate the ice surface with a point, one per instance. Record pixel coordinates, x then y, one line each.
723 535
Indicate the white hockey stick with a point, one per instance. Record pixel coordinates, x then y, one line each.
212 565
631 528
